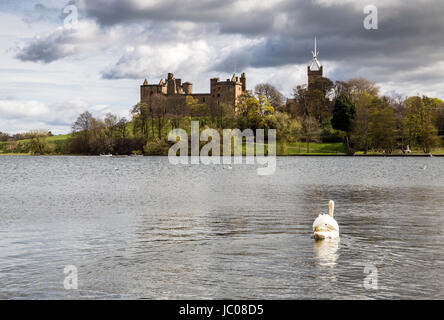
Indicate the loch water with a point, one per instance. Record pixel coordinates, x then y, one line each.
142 228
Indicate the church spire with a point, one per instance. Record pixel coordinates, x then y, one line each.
315 61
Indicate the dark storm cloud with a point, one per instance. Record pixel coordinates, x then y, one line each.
111 12
406 37
287 29
282 32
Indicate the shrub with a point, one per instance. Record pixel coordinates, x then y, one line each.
330 135
156 147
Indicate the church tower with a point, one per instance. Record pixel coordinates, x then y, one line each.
314 70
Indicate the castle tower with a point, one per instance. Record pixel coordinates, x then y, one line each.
188 88
243 80
144 91
315 69
171 84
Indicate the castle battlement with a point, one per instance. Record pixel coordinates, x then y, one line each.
221 92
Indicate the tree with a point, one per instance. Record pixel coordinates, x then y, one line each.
79 141
122 128
314 101
198 110
268 91
382 125
439 118
362 122
246 104
311 130
142 114
177 109
325 85
38 144
110 122
157 147
344 113
436 107
419 126
83 122
287 129
4 136
97 142
356 87
159 110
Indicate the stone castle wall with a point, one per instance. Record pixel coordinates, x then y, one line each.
221 92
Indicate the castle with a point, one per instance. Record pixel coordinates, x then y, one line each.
221 92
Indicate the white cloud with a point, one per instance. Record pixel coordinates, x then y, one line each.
21 116
86 38
188 58
126 41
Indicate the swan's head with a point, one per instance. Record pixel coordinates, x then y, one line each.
331 208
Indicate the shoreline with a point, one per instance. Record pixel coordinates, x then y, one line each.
292 155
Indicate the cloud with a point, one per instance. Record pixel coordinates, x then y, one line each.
286 30
278 33
41 12
187 58
86 38
21 116
270 40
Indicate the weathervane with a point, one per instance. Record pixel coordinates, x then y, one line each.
315 60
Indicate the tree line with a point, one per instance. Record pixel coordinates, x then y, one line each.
352 112
355 112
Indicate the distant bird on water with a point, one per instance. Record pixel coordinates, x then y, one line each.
325 226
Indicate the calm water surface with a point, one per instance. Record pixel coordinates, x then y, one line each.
138 227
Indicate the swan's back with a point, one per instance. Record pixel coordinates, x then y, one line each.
325 221
325 226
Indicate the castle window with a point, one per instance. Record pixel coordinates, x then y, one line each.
218 94
203 100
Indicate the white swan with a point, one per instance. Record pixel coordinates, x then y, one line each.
325 226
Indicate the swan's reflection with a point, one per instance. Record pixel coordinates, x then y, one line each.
326 256
326 252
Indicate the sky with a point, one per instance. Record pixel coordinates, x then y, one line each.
52 69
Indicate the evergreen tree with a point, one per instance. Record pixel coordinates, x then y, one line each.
344 113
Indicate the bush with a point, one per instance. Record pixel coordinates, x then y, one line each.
330 135
156 147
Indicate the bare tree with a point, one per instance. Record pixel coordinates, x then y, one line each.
159 111
177 109
356 87
311 130
83 122
271 93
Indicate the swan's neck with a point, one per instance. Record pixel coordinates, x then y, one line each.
331 208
